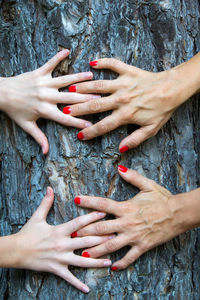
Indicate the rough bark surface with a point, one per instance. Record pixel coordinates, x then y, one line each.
153 35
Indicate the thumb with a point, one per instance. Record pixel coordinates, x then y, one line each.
137 137
32 129
45 206
136 179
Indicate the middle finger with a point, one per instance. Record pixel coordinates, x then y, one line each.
96 86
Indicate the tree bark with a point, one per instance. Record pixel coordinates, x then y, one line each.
153 35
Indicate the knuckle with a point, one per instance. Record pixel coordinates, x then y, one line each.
123 99
99 85
87 240
101 127
127 262
102 205
100 227
111 245
125 207
59 247
144 246
94 105
153 131
112 62
134 142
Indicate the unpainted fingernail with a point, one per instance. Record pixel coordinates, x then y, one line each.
67 110
48 191
85 289
80 136
94 63
123 149
107 263
101 214
88 74
86 254
111 237
72 89
122 168
96 96
114 268
43 149
88 124
77 200
64 52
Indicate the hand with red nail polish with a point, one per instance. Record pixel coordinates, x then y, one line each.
42 247
152 217
33 95
138 97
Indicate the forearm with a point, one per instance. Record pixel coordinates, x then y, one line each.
186 207
9 254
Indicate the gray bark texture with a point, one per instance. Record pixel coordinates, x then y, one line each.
152 35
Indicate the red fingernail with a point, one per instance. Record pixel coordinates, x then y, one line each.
72 89
114 268
74 234
93 63
77 200
80 136
86 254
122 168
123 149
67 110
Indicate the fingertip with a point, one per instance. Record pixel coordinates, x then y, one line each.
80 135
107 263
88 124
122 169
64 52
45 148
93 63
101 214
49 191
123 149
85 289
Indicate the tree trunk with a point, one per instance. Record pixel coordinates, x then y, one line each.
152 35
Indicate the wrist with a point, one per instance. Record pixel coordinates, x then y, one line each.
186 77
186 210
10 254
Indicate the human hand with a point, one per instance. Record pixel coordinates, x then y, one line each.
137 97
149 219
42 247
33 95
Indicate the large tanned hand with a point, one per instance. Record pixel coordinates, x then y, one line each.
143 222
136 97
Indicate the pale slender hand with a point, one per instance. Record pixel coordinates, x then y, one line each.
33 95
43 247
137 97
149 219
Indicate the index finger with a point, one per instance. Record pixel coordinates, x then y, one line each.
76 224
98 203
96 86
